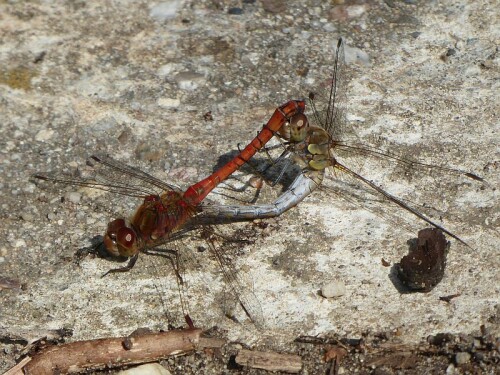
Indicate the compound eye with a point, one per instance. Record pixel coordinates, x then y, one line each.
114 226
126 237
299 120
298 127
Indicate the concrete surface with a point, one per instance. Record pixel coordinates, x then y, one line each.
133 79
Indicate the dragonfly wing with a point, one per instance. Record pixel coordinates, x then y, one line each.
105 173
185 260
406 164
328 100
241 291
358 190
120 170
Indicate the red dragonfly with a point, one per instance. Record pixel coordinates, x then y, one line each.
166 216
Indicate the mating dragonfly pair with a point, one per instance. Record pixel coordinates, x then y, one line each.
317 140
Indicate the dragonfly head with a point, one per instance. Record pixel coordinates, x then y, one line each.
121 239
299 125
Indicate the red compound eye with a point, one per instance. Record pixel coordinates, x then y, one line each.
125 237
116 225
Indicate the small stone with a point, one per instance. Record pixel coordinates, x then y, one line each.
73 197
20 243
356 55
235 11
451 52
167 70
148 369
189 81
105 125
124 137
165 11
44 135
479 356
356 11
440 339
168 102
333 289
462 358
26 216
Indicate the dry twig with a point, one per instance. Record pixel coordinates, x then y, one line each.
269 361
114 352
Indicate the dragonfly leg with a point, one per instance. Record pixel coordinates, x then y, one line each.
173 257
189 321
213 233
127 268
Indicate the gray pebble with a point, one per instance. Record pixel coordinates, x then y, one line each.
44 135
333 289
26 216
356 55
73 197
462 358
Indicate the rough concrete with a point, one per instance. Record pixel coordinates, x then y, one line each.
134 79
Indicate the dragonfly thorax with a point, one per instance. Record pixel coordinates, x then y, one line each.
121 239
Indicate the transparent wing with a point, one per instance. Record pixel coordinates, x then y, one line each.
358 154
328 100
105 173
220 249
240 289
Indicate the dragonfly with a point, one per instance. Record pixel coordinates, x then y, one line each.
319 141
168 215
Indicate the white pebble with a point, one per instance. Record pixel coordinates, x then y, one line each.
333 289
164 11
168 69
168 102
188 85
356 55
20 243
149 369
